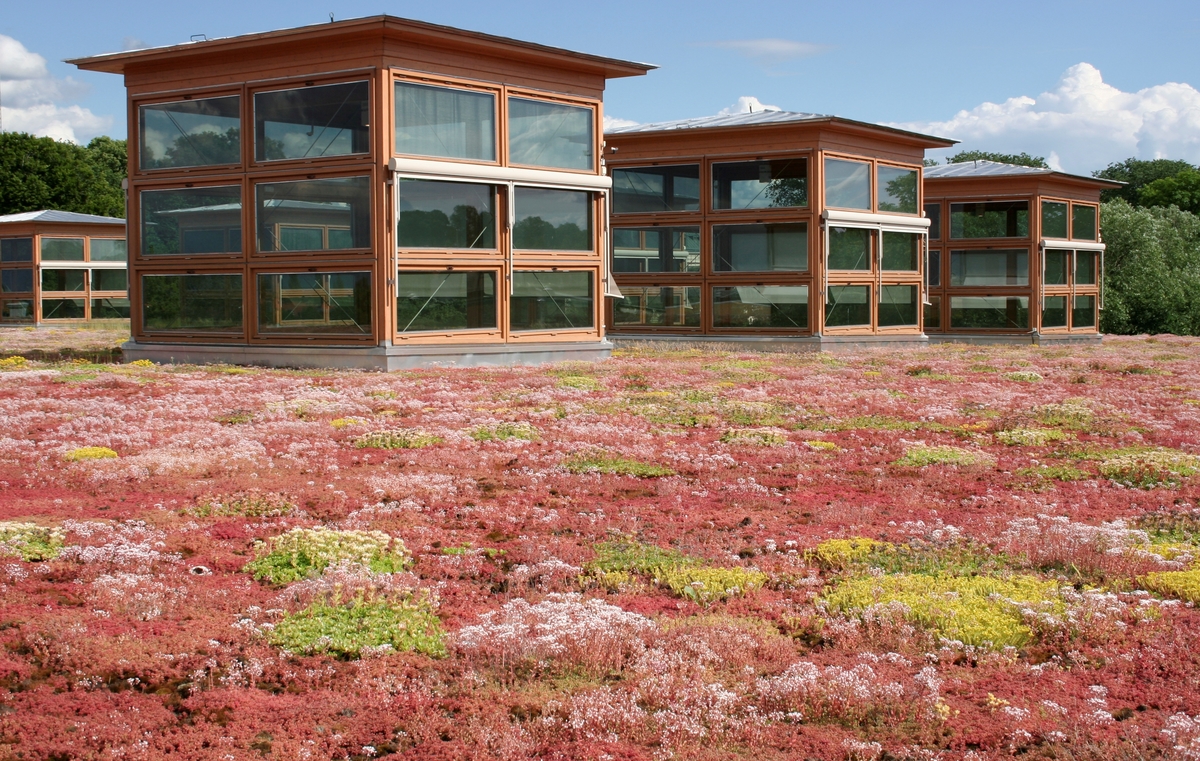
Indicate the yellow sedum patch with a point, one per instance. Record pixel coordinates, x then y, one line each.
345 422
921 456
14 362
141 363
1032 437
705 585
90 453
1181 585
840 553
822 446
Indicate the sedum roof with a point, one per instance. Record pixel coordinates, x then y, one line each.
762 119
53 215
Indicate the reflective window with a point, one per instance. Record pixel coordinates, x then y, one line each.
311 122
328 303
314 215
847 184
18 309
108 250
933 212
847 305
192 302
63 280
760 248
933 268
897 305
16 250
551 300
897 190
1083 222
656 249
436 214
110 309
445 301
998 219
439 121
62 249
1083 314
761 306
762 184
849 248
550 134
63 309
1057 263
989 267
933 314
656 188
553 220
658 307
989 312
109 280
1054 312
16 281
1054 219
192 220
200 132
1085 267
901 251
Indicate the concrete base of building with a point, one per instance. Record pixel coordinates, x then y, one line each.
1051 339
774 343
382 358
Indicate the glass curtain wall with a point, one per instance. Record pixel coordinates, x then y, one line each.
190 133
445 123
312 122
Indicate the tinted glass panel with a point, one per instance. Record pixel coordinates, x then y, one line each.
901 251
1000 219
63 280
760 184
847 184
192 302
551 300
553 220
62 249
933 314
201 132
1083 222
192 220
656 188
446 215
659 307
1057 263
445 301
16 250
760 248
1054 219
761 306
108 250
311 122
63 309
989 312
933 211
110 309
989 267
656 249
848 305
437 121
16 281
1083 315
1085 267
109 280
18 310
326 303
549 134
849 248
314 215
897 190
1054 312
933 268
897 305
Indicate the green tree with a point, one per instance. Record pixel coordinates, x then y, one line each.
42 173
1181 190
1020 159
1136 174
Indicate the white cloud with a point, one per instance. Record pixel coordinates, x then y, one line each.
32 100
745 105
771 51
612 122
1083 123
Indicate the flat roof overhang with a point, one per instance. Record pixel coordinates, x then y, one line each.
852 126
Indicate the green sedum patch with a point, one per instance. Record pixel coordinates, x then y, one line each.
397 438
620 466
29 541
306 552
758 437
1073 414
1024 376
346 630
1149 468
706 585
921 456
250 504
637 557
1055 473
1032 437
505 432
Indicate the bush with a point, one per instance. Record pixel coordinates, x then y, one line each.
398 438
1181 585
921 456
705 585
505 431
90 453
345 630
305 552
30 541
620 466
1149 468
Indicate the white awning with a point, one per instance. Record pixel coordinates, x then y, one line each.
1073 245
866 219
449 170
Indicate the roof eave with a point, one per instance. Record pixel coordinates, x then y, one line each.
926 141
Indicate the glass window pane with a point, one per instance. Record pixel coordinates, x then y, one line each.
549 134
658 306
63 309
108 250
445 301
551 300
847 184
16 281
897 305
1056 266
63 280
933 268
1054 312
192 302
314 215
933 211
446 215
901 251
110 309
201 132
18 310
848 305
933 314
192 220
761 306
1083 222
327 303
989 267
1083 315
849 248
62 249
16 250
109 280
999 219
897 190
760 248
1054 219
1085 267
994 312
762 184
656 188
656 249
553 220
311 122
439 121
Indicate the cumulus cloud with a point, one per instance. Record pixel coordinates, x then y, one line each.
35 101
771 51
1083 124
745 105
612 122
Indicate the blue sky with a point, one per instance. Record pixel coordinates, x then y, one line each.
912 64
